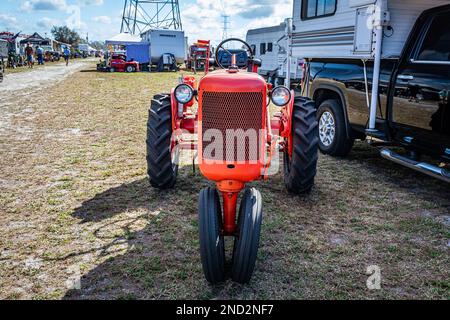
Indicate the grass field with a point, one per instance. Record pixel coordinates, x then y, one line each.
74 201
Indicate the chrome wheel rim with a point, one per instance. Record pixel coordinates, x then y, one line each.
327 129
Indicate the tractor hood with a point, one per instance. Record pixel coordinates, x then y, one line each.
226 81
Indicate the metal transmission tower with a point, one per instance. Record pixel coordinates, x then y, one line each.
226 26
140 16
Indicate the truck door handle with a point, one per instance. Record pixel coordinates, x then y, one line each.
405 77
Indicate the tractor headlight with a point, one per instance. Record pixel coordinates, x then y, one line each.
281 96
184 93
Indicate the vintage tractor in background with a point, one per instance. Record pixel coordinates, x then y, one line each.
236 141
119 63
198 56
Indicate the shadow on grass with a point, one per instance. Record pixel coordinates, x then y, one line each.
117 200
400 176
161 261
165 247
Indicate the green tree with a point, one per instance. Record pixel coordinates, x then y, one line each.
66 35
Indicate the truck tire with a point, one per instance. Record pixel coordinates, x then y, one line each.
130 69
333 138
162 170
212 244
300 169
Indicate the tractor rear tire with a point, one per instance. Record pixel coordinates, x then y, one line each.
300 170
212 244
162 171
247 242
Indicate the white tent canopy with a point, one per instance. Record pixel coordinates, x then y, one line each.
124 39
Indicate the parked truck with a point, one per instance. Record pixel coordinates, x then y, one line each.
379 70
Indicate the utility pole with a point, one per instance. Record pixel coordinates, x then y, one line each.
226 26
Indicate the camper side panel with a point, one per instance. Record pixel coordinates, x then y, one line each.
334 36
403 17
167 41
260 37
324 36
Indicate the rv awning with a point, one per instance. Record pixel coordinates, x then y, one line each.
123 39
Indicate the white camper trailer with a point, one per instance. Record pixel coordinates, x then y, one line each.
269 44
164 42
355 29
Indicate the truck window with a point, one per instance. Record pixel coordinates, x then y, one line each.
436 44
270 47
312 9
262 49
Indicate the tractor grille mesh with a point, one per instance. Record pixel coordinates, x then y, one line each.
239 112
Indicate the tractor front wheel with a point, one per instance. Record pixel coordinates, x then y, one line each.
300 169
162 157
212 244
247 242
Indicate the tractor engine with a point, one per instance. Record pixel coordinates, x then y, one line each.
232 126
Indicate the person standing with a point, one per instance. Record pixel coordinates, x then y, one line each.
40 55
29 51
66 55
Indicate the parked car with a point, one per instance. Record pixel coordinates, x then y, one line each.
119 63
390 83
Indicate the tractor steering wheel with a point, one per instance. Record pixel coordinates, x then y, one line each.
221 46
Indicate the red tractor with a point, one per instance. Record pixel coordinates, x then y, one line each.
236 142
119 63
199 55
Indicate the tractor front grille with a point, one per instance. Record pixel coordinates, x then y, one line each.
238 116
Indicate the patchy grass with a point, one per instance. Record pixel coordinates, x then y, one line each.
74 200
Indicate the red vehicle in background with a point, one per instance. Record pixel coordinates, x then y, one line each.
199 54
118 63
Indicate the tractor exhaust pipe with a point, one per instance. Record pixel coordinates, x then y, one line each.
423 167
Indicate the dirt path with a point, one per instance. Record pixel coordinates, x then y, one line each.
30 81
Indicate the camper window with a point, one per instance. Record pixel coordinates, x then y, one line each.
253 49
436 44
262 49
270 47
312 9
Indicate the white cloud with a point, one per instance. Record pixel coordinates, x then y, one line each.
44 5
102 19
204 18
93 2
47 23
7 19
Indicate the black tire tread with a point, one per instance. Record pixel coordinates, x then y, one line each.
301 172
159 135
212 252
247 243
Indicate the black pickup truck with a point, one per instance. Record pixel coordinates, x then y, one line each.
414 109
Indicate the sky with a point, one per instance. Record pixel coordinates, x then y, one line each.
101 19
